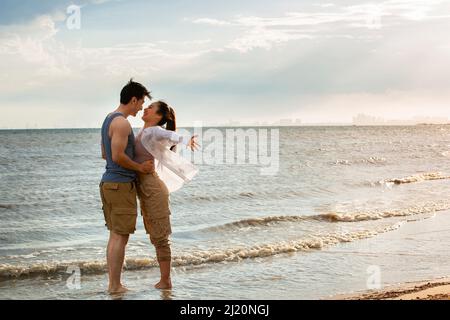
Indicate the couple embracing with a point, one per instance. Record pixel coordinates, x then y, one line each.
146 167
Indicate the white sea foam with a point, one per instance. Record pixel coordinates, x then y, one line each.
418 178
425 208
198 257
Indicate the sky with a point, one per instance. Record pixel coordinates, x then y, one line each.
221 61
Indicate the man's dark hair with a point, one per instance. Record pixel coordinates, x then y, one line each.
133 89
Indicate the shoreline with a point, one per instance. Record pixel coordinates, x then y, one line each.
437 289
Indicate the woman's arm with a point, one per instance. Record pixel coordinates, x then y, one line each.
161 134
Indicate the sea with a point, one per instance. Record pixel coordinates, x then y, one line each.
350 209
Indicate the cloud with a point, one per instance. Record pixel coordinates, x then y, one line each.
36 55
29 54
100 1
265 39
213 22
28 41
317 56
332 20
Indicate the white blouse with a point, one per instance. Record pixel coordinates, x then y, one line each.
162 135
172 169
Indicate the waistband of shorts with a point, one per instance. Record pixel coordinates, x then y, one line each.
133 183
147 175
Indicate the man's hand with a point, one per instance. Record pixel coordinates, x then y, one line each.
147 167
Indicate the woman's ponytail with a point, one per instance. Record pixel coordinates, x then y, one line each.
168 118
171 123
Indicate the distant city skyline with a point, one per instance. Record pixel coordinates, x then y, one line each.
63 63
367 120
358 120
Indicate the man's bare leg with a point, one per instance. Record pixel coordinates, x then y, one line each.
115 256
165 282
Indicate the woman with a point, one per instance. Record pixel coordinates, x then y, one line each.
153 143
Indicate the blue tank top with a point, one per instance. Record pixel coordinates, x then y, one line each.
114 172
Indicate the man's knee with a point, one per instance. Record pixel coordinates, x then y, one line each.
119 238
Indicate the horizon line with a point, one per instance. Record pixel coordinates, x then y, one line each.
250 126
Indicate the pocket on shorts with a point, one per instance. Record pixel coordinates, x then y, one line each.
120 195
123 220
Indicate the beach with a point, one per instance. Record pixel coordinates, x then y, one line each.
436 286
352 211
427 290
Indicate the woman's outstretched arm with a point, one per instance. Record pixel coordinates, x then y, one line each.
161 134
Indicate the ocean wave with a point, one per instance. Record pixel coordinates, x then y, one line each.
263 221
418 178
314 242
445 154
337 216
243 195
380 214
370 160
428 176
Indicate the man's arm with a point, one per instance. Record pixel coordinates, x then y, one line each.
120 129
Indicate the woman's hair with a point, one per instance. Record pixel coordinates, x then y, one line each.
168 117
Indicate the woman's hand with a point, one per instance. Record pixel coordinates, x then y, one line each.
193 143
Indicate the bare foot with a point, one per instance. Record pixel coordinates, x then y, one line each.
164 284
119 290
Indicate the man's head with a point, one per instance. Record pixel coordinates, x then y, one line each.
133 96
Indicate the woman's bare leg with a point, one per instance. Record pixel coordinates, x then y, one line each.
165 282
163 254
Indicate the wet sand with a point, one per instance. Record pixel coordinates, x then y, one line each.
438 289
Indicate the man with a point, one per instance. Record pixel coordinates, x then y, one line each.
118 184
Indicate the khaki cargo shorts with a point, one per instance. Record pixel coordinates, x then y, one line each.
154 201
119 206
